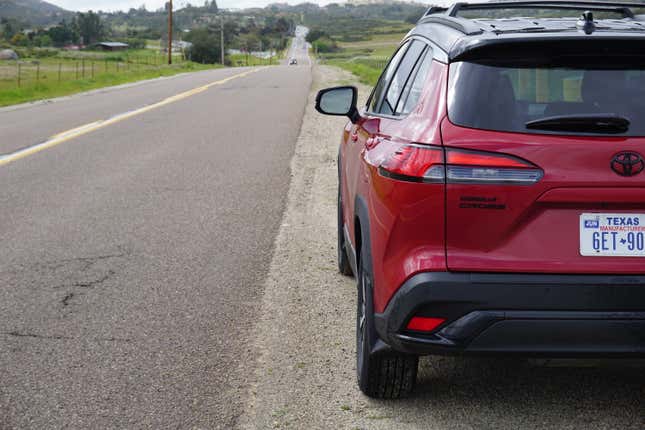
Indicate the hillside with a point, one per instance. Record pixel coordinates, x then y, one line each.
32 12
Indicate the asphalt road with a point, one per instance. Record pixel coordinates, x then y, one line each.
299 48
133 255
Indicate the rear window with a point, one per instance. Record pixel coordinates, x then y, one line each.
505 97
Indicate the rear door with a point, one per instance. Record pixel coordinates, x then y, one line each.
541 176
394 96
358 134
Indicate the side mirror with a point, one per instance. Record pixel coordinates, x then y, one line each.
339 101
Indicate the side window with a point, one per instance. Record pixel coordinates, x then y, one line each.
401 77
414 88
377 95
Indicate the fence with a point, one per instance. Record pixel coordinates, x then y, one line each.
18 73
376 62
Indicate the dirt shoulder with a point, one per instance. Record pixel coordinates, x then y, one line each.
304 344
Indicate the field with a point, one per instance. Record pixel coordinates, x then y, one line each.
49 73
367 56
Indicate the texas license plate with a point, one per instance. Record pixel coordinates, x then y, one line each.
612 235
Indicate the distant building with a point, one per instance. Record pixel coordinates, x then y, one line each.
112 46
179 45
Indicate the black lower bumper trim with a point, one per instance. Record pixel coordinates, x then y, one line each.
556 315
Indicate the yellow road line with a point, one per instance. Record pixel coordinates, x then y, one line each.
88 128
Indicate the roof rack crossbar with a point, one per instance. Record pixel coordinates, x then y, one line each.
620 7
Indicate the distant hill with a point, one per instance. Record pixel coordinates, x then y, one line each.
33 12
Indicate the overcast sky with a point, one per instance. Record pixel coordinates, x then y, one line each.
111 5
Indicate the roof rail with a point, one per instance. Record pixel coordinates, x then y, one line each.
619 7
463 25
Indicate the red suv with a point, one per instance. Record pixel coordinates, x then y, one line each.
491 197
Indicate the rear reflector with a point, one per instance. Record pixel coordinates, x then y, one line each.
424 324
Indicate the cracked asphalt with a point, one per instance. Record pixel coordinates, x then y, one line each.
132 258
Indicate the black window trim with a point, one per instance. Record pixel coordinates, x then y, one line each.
412 76
421 55
404 45
434 49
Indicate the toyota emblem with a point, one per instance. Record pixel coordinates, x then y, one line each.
627 163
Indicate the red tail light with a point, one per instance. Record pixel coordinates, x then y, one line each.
477 158
424 324
425 163
415 163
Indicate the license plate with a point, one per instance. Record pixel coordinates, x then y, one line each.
612 235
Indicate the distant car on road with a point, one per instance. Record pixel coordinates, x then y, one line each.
293 62
490 193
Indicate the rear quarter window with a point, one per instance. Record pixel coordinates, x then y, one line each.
386 76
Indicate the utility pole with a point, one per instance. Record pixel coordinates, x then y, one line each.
221 22
169 31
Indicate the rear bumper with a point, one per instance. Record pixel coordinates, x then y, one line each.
528 314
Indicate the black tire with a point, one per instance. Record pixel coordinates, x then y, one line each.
343 260
389 375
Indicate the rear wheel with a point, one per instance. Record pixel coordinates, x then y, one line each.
385 375
343 260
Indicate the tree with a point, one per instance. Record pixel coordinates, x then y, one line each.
211 6
89 27
250 42
62 34
282 25
9 27
43 40
325 44
230 30
316 34
19 39
206 46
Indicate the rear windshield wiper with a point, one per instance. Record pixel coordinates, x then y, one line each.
588 123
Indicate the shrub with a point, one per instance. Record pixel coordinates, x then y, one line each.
326 44
206 46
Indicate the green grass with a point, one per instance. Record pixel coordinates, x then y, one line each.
48 85
365 58
366 74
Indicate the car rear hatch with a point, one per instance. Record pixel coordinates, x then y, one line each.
544 162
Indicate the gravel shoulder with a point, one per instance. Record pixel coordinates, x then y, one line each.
304 340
